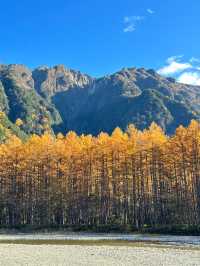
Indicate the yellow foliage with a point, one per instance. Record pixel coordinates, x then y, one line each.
2 114
135 175
18 122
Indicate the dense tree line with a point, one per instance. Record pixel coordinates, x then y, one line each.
129 178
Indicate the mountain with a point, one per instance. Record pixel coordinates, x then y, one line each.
61 99
23 101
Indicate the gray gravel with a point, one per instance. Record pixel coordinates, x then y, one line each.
57 255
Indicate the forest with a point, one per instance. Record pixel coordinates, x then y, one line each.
135 179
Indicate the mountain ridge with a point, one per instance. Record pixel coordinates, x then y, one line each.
62 99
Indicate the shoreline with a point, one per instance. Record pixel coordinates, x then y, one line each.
68 238
107 243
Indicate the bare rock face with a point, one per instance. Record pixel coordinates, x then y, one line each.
3 100
49 81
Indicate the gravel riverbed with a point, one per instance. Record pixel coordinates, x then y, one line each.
64 255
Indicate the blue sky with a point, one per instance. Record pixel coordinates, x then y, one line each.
99 37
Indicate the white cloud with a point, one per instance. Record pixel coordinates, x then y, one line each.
192 78
187 72
131 22
173 66
150 11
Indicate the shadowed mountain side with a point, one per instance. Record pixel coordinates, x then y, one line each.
62 99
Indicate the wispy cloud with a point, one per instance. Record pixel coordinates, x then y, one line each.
194 60
130 23
129 28
150 11
187 72
174 58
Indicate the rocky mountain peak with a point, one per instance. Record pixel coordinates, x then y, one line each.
49 81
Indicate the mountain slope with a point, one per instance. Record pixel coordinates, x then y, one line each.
7 128
24 102
136 96
64 99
